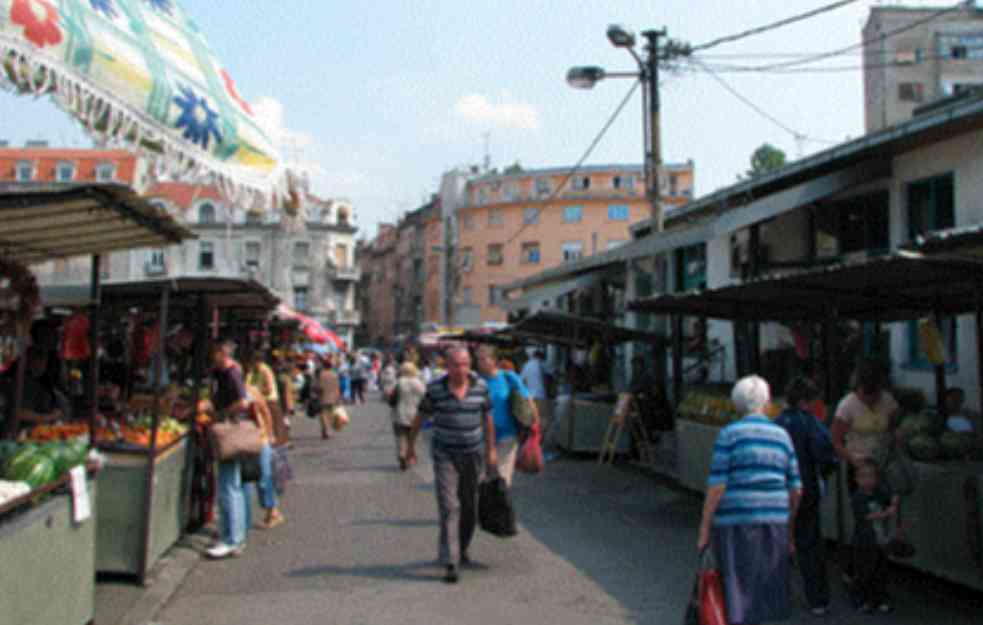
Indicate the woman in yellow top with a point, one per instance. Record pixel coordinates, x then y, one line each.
260 375
261 413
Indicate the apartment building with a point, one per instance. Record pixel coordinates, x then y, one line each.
377 305
917 55
516 225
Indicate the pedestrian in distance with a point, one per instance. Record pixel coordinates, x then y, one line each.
329 394
752 496
535 376
501 384
407 393
463 428
816 457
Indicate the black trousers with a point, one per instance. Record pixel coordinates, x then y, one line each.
810 552
870 571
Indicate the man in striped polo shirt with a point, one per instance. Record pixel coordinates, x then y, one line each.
463 426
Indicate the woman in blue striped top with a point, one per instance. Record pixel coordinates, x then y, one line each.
752 496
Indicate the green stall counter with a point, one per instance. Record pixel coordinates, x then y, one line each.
48 571
694 451
123 544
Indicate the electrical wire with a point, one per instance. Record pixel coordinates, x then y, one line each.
863 43
590 149
760 111
737 69
783 22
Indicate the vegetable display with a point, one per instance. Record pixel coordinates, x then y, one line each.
37 465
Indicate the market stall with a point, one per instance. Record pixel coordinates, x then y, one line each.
944 513
580 414
47 533
157 478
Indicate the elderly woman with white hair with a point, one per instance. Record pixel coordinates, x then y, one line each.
409 390
752 496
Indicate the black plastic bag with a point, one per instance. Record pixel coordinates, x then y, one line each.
250 469
495 512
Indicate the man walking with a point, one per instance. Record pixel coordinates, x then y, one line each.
462 425
533 375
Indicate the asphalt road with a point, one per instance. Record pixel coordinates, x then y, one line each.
598 546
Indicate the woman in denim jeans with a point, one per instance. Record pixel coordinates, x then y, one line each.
230 399
267 494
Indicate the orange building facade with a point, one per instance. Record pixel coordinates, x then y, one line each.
517 225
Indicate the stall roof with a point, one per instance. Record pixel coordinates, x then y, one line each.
40 222
902 286
562 328
221 292
963 240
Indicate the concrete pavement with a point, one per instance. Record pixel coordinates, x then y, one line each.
598 545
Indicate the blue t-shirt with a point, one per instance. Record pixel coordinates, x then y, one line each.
499 387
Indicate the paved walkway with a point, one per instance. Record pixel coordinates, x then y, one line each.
598 546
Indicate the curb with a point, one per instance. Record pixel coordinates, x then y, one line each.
165 580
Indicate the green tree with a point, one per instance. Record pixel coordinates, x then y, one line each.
514 168
765 159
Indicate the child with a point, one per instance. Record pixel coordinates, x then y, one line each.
958 420
873 507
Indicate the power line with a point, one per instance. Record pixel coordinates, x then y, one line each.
760 111
586 155
783 22
738 69
863 43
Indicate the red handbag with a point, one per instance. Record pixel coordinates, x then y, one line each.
530 458
713 610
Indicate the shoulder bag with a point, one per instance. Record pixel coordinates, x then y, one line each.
236 438
519 405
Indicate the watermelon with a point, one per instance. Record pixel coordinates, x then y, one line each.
924 447
19 458
918 424
957 444
62 457
37 470
7 449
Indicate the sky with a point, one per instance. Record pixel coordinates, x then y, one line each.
376 99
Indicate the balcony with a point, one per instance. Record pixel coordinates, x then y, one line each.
344 317
346 274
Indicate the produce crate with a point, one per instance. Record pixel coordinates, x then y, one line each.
694 450
122 489
48 572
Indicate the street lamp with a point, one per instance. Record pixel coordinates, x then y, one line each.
585 77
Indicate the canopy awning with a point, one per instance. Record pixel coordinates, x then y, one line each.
903 286
559 328
141 75
223 293
40 222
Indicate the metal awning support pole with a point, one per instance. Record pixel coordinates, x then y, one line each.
830 322
95 297
979 349
940 386
148 493
677 359
829 388
14 424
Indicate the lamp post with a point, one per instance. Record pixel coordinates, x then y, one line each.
585 77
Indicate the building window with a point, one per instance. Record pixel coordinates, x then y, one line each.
572 214
343 216
496 217
300 298
931 205
543 187
105 172
857 224
673 185
482 196
492 295
623 182
613 243
206 255
511 191
468 222
618 212
573 250
495 254
252 254
341 255
65 172
530 253
302 250
25 171
254 218
911 92
206 213
691 268
580 183
530 215
467 259
466 296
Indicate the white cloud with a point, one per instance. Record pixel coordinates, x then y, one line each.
507 114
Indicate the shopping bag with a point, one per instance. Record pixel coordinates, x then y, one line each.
249 468
495 512
713 609
282 472
530 458
339 418
236 438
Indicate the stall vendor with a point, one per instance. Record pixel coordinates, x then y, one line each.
41 401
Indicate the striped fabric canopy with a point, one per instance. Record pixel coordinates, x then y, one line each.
139 73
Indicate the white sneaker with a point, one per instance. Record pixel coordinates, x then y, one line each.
222 550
